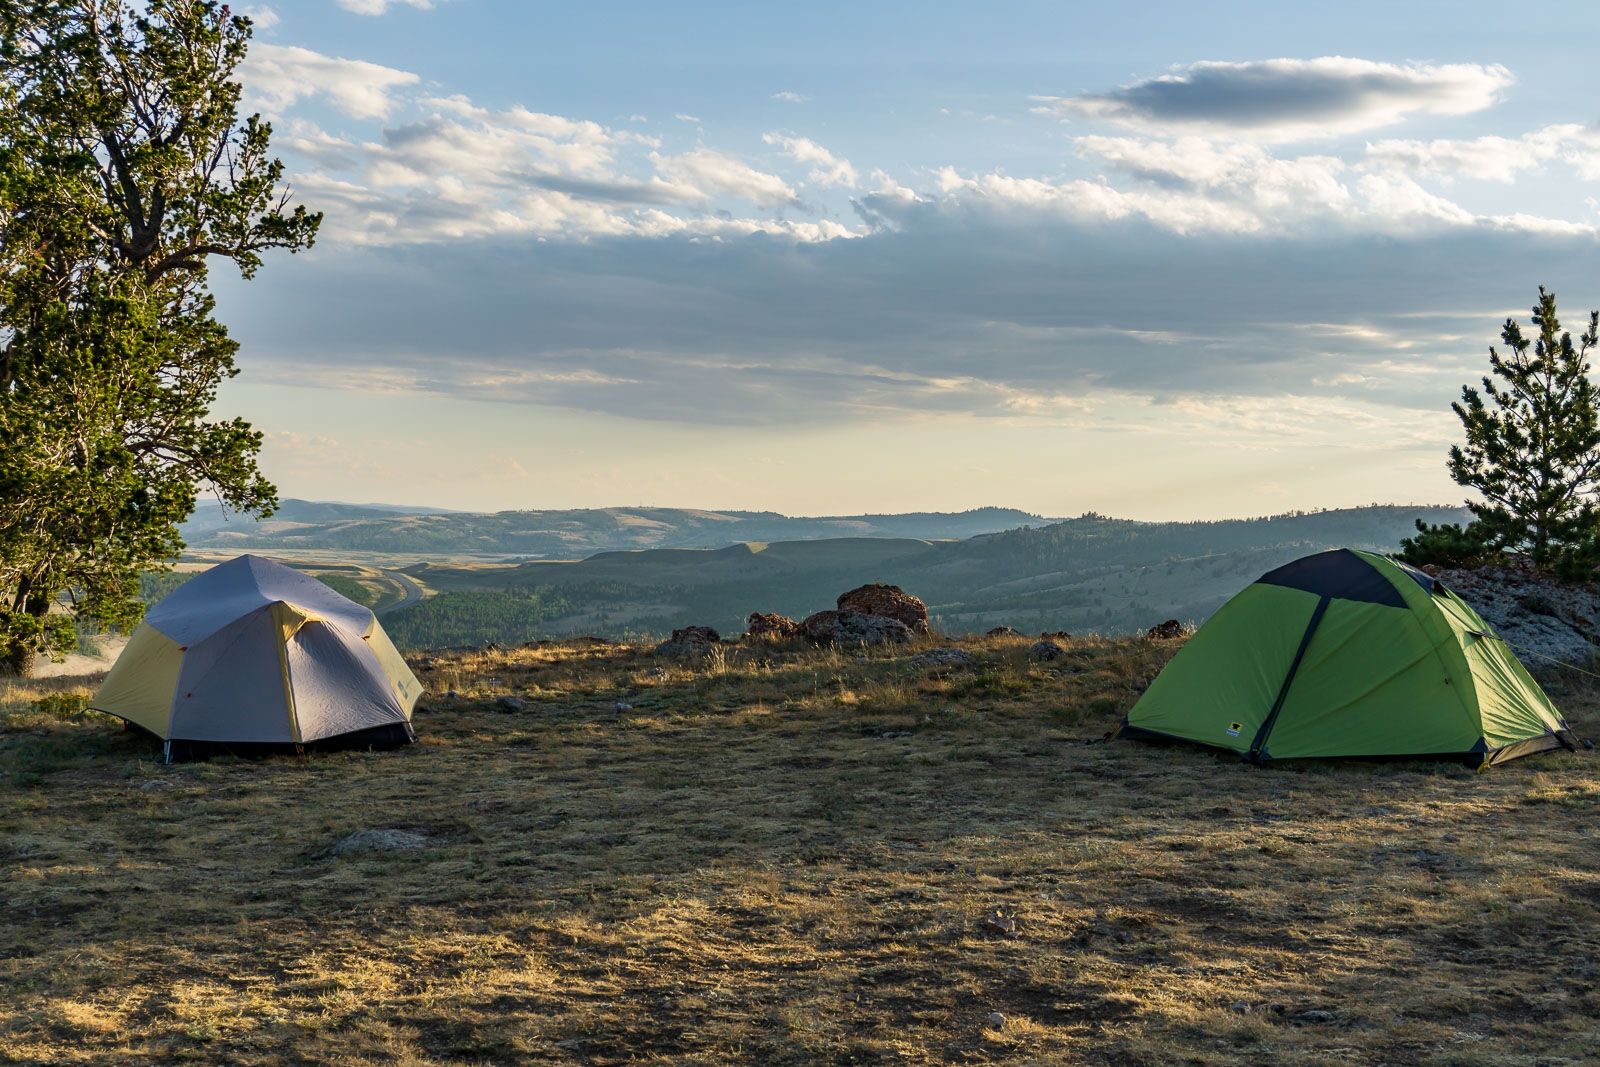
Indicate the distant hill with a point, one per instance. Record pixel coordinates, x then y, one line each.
1087 574
304 525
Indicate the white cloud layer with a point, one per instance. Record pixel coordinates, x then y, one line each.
1497 159
276 77
381 7
827 169
1282 100
722 174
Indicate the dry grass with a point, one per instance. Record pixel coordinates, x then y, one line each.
787 856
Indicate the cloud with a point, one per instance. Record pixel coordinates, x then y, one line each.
724 175
381 7
1498 159
276 77
460 172
681 117
829 170
790 97
969 308
1280 100
261 16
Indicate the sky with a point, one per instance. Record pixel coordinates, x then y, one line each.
1159 260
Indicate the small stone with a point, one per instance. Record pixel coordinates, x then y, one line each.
154 784
943 657
997 1021
623 705
380 841
1239 1007
1316 1015
510 703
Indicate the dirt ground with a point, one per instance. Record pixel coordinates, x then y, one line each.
787 856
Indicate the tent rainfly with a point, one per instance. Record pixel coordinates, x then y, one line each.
1349 654
252 653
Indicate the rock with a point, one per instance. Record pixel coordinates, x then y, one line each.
1003 631
1316 1015
1000 923
155 785
1239 1007
623 705
510 703
943 657
452 695
888 602
1045 650
850 628
1548 619
1164 631
997 1021
380 841
1058 636
690 642
762 627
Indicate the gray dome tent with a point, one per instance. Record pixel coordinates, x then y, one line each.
252 653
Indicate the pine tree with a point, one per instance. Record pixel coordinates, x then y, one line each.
1532 448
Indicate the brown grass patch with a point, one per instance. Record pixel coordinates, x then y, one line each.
786 856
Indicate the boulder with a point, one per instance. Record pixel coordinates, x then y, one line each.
888 602
1165 631
853 628
1045 650
510 703
770 627
689 642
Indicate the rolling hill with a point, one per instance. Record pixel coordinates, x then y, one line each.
304 525
1087 574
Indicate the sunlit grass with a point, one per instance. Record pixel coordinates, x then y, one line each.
786 855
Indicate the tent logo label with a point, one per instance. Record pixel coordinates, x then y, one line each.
1234 728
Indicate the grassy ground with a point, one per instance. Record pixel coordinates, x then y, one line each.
786 856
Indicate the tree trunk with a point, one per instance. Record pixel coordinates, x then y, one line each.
16 658
19 645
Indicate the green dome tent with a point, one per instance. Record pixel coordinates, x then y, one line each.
1348 653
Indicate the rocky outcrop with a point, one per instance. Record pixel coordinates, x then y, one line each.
690 642
1541 618
853 628
1045 650
1003 631
1165 631
887 602
763 627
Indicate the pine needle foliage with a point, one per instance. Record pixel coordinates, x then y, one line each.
1532 452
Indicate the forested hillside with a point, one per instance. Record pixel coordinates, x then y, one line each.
1087 574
